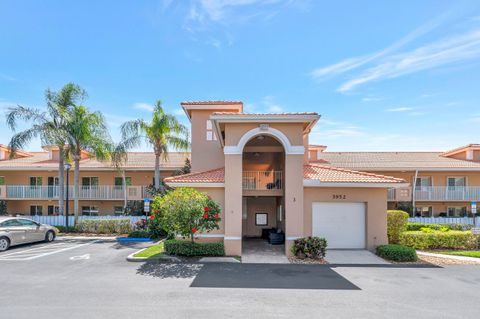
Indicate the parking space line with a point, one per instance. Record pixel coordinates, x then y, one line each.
34 248
30 255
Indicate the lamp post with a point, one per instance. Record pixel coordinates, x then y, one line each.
67 168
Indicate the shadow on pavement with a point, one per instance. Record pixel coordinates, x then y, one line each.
270 276
169 270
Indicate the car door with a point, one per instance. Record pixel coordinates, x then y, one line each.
15 231
34 232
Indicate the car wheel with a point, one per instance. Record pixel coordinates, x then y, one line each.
4 243
50 236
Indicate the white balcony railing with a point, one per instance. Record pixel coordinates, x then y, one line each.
85 192
448 193
262 180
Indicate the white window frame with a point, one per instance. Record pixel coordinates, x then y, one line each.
453 187
56 210
36 209
430 210
421 187
90 184
210 134
36 180
120 212
91 209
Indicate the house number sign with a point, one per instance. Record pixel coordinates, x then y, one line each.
339 196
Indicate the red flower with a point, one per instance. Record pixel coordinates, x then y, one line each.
205 215
156 210
216 216
152 217
207 209
194 230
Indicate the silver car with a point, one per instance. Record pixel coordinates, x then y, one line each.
17 230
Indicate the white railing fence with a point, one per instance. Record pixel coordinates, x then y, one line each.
262 180
60 220
445 220
85 192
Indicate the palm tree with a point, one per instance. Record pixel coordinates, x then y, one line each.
162 132
119 157
86 132
49 125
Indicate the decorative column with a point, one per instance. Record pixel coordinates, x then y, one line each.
233 204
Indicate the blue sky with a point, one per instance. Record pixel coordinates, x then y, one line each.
384 75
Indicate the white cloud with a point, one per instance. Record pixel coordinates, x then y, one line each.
143 106
356 62
271 105
179 112
400 109
446 51
371 99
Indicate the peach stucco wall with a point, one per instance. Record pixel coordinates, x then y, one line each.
265 205
376 215
233 206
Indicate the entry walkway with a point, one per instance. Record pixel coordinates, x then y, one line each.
350 257
259 251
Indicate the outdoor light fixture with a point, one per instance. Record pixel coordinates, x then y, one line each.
260 137
67 168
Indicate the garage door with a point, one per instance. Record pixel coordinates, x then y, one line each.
342 224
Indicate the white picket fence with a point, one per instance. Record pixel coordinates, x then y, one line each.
445 220
60 220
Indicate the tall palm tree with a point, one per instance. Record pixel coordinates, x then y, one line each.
162 132
86 131
48 125
119 157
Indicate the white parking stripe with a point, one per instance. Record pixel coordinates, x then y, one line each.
33 249
30 254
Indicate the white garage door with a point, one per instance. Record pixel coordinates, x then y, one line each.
342 224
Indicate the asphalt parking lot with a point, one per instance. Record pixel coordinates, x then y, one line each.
90 279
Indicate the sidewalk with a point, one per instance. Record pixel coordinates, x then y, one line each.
452 257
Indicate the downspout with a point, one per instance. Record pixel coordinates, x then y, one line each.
413 192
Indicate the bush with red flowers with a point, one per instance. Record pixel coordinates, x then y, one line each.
186 212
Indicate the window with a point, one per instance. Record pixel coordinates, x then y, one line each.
118 210
10 223
457 211
90 181
456 182
423 211
89 210
210 133
119 181
53 210
2 180
36 210
28 223
35 181
423 182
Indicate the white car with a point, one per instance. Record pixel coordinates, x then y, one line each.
17 230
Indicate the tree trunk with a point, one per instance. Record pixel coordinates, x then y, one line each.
157 170
76 188
61 183
124 181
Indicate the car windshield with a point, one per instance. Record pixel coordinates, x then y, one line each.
27 222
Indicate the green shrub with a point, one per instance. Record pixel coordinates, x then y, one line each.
69 229
186 212
418 226
453 239
311 247
104 226
187 248
140 233
397 253
396 224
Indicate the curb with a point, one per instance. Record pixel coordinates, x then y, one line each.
132 258
453 257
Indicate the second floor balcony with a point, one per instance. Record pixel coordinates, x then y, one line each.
262 181
101 192
436 193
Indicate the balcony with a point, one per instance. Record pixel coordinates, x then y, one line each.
103 192
270 181
436 193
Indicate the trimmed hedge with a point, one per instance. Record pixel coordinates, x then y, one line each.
452 239
396 223
189 249
311 247
104 226
418 226
397 253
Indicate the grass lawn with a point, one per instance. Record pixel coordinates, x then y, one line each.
466 253
152 251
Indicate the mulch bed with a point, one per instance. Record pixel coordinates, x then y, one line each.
306 261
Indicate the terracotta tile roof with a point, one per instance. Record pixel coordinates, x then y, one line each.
136 160
328 174
264 114
211 176
211 102
393 161
460 149
321 173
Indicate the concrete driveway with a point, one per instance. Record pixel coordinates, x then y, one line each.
103 285
353 257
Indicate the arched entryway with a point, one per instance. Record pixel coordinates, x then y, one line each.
263 187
